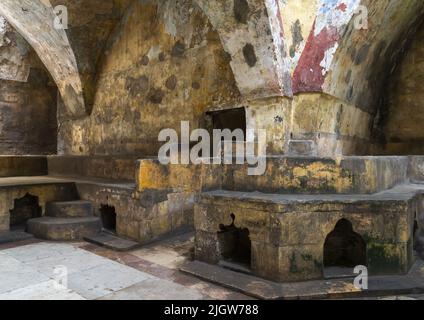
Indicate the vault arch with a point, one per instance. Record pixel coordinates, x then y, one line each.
33 19
251 33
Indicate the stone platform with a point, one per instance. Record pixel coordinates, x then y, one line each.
287 233
378 286
140 216
63 229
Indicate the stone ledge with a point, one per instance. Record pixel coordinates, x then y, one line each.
18 166
284 174
413 283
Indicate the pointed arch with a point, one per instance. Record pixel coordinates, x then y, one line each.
33 19
252 34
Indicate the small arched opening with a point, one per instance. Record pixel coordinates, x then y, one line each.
344 249
235 247
24 209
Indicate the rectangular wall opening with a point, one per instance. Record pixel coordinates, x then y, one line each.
108 215
229 119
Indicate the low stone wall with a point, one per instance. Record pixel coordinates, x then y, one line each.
106 167
347 175
44 192
283 175
416 169
15 166
143 216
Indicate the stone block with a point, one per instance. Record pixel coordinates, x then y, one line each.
63 229
206 247
302 148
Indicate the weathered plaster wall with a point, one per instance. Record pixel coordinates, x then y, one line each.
27 98
90 23
33 19
164 64
350 66
337 127
403 120
169 58
14 52
251 32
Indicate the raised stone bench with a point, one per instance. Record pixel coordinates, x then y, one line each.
104 167
18 166
284 175
287 233
416 169
309 175
64 229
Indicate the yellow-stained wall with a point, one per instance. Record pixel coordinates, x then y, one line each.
337 127
164 64
403 122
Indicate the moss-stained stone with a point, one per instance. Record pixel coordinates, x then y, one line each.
387 258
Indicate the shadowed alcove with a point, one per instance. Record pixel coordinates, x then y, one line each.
235 246
344 249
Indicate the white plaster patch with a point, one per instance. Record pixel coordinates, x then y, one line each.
3 29
2 25
328 58
154 52
334 13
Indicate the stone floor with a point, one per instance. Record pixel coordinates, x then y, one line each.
32 269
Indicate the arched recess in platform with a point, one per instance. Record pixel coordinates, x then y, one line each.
344 248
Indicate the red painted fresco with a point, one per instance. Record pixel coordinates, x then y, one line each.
308 75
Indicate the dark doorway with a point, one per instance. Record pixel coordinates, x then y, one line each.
344 249
235 245
108 215
415 234
24 209
229 119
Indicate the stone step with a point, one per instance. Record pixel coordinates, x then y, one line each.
69 209
14 236
391 285
64 229
112 242
302 148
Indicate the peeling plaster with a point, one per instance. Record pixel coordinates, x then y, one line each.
334 13
328 59
263 30
14 51
316 59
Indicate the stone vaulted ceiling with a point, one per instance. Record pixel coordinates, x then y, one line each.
71 56
277 47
